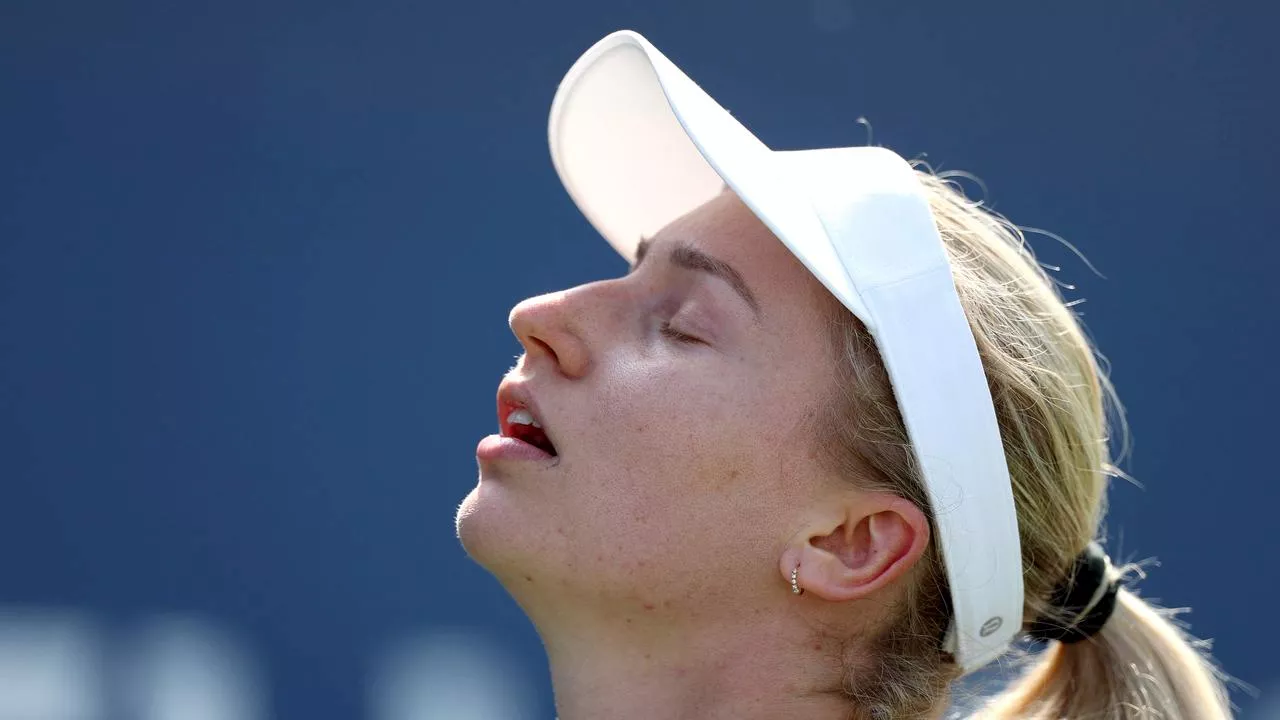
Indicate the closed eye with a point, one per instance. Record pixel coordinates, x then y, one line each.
668 331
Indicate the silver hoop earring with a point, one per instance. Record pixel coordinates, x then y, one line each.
795 586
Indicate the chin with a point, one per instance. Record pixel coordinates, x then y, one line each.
496 535
472 527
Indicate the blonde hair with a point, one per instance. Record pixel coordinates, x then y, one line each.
1052 401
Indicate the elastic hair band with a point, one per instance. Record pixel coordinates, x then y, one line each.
1086 594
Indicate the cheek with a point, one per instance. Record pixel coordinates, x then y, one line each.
680 465
693 435
666 412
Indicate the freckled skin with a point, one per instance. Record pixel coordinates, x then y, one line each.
681 466
674 459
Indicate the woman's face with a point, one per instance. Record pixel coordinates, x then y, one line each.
681 461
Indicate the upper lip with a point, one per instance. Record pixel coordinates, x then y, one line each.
513 395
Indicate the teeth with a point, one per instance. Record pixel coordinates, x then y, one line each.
523 417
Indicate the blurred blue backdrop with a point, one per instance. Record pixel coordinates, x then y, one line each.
256 260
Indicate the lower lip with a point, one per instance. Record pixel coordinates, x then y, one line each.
497 447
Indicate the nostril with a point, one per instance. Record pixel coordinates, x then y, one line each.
544 329
535 348
544 347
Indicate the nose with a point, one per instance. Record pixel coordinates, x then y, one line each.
546 328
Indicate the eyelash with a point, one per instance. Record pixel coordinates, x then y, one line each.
678 336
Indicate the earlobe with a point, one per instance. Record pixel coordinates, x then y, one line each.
869 549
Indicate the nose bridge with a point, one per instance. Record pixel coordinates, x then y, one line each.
533 311
575 308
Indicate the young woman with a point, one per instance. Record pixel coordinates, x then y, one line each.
831 444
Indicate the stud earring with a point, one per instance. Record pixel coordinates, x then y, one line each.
795 585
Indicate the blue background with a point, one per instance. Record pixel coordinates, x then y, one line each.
256 260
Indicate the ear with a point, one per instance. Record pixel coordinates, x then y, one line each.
865 545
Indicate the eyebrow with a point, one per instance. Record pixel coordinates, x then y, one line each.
691 258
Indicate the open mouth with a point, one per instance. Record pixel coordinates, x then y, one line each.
523 426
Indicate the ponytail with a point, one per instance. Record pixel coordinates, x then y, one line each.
1139 666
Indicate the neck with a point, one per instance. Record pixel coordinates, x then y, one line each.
745 669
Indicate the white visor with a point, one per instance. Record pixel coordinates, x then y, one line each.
638 144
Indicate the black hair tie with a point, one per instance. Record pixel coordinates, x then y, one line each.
1072 598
